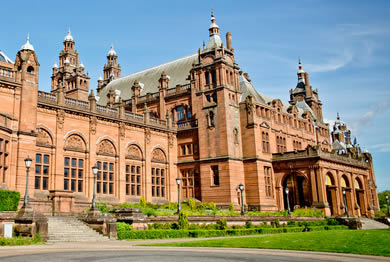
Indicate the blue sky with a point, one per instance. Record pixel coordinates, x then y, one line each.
344 45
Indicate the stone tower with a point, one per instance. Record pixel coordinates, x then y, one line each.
112 69
70 74
304 91
215 97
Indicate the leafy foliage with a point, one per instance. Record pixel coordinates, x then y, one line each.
183 220
9 200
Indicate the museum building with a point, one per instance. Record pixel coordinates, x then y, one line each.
197 118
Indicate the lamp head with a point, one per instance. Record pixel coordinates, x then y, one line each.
95 170
241 187
28 162
343 191
178 180
387 197
286 190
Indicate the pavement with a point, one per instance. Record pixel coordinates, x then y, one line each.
116 250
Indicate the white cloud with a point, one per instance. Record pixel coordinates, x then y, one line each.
332 64
382 148
366 118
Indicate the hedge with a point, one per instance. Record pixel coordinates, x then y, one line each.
9 200
160 234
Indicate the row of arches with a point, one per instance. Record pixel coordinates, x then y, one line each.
75 141
344 193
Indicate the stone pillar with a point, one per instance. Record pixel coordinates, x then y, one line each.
60 95
92 101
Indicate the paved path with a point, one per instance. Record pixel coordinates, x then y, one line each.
114 251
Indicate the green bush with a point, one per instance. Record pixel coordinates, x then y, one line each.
191 204
307 212
222 224
122 226
18 241
183 220
248 224
332 222
103 207
291 223
231 207
277 223
9 200
142 202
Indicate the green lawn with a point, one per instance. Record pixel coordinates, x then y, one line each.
368 242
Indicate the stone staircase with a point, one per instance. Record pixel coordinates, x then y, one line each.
70 229
372 224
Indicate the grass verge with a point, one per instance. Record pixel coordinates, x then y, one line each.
20 241
367 242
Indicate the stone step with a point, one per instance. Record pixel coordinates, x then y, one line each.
69 229
372 224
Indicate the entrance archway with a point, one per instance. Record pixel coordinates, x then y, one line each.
345 185
331 193
299 191
360 196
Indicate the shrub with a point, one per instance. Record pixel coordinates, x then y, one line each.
332 222
292 223
183 220
277 223
191 204
122 226
142 202
149 211
103 207
222 224
248 224
231 207
9 200
307 212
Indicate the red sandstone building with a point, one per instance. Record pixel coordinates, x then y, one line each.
198 118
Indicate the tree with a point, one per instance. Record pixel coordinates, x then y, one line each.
382 198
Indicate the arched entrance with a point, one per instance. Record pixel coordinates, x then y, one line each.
360 196
344 182
331 193
299 191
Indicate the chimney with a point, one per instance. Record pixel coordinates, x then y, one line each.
229 41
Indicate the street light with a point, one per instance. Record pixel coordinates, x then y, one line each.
345 203
387 201
288 201
94 171
27 162
178 180
241 187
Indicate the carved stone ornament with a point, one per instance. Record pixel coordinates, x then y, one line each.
60 118
106 147
147 135
43 138
92 125
74 142
122 130
158 156
170 140
133 152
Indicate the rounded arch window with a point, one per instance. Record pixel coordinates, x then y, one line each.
30 70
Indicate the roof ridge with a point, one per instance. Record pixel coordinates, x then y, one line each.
157 66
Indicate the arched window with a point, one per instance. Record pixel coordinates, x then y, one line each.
30 70
106 161
134 167
74 161
159 167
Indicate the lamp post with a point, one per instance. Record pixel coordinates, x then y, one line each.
94 171
178 180
387 201
27 162
288 201
241 187
345 203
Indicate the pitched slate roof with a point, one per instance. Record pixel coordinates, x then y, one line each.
4 58
178 72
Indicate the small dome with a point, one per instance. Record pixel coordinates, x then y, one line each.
67 61
82 65
69 37
112 51
55 65
27 45
100 78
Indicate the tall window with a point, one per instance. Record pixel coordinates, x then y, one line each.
187 177
215 174
73 174
3 159
180 113
281 145
158 182
207 76
268 181
42 163
133 180
265 138
105 177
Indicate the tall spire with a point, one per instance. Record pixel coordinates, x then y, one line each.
300 73
338 116
112 51
214 40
